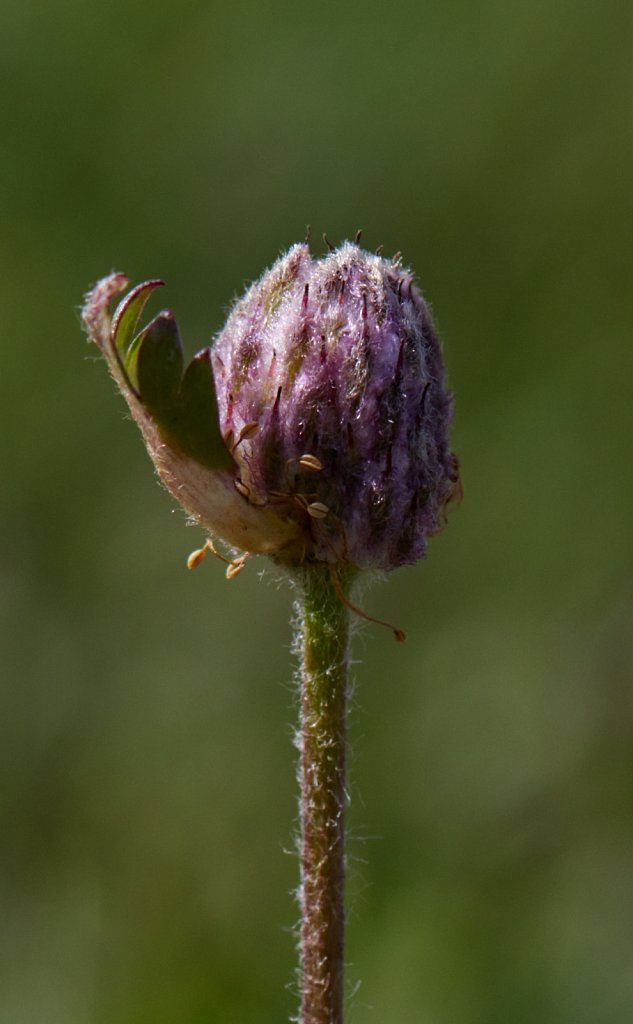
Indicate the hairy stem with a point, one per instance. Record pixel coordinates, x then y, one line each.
323 625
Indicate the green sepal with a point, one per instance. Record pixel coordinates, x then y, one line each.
154 363
193 424
126 318
151 363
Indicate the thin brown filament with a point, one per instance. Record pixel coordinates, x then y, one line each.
399 634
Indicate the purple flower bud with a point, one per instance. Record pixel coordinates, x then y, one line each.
315 428
337 363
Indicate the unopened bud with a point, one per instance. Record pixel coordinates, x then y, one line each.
317 425
338 362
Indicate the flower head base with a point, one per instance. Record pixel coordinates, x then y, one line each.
317 425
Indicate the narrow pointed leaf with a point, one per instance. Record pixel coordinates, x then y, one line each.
154 363
127 317
194 423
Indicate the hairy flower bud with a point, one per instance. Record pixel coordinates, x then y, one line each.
317 425
336 360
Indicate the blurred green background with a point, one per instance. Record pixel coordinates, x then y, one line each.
148 790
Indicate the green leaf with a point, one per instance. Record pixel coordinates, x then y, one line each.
127 317
185 411
154 363
193 423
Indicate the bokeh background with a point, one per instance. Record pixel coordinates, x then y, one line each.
148 790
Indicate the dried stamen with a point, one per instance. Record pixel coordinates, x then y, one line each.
248 430
234 565
310 462
196 557
317 510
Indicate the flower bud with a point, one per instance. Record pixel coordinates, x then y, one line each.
317 425
336 360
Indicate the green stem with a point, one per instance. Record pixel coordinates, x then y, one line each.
323 626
